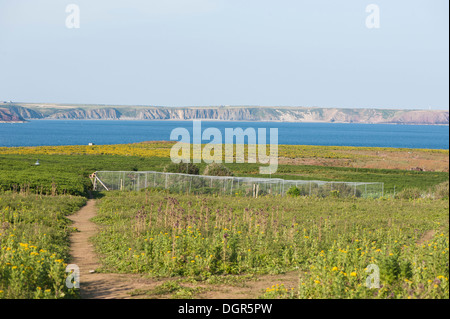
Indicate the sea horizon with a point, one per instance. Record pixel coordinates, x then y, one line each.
47 132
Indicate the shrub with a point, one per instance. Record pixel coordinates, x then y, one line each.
215 169
339 190
293 191
441 191
344 190
184 168
409 193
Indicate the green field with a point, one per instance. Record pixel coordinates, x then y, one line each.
207 238
68 173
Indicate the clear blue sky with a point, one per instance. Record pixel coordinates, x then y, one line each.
226 52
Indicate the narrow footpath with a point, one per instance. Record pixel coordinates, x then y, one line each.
95 285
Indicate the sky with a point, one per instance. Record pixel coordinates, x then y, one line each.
227 52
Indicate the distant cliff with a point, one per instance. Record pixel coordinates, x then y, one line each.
20 112
331 115
6 116
25 113
88 114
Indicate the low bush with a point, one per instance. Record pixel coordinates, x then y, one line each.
215 169
183 168
409 193
440 191
293 191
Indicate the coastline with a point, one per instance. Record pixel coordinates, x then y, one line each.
13 122
231 121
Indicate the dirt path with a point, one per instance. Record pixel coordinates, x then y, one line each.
95 285
119 286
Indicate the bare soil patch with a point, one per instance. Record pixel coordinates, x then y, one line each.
428 235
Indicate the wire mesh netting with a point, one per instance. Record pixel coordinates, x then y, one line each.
239 186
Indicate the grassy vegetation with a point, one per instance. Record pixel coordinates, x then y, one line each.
400 179
68 173
162 149
34 240
64 168
330 241
64 173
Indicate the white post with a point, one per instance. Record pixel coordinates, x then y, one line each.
102 183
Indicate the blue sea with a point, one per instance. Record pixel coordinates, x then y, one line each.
83 132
